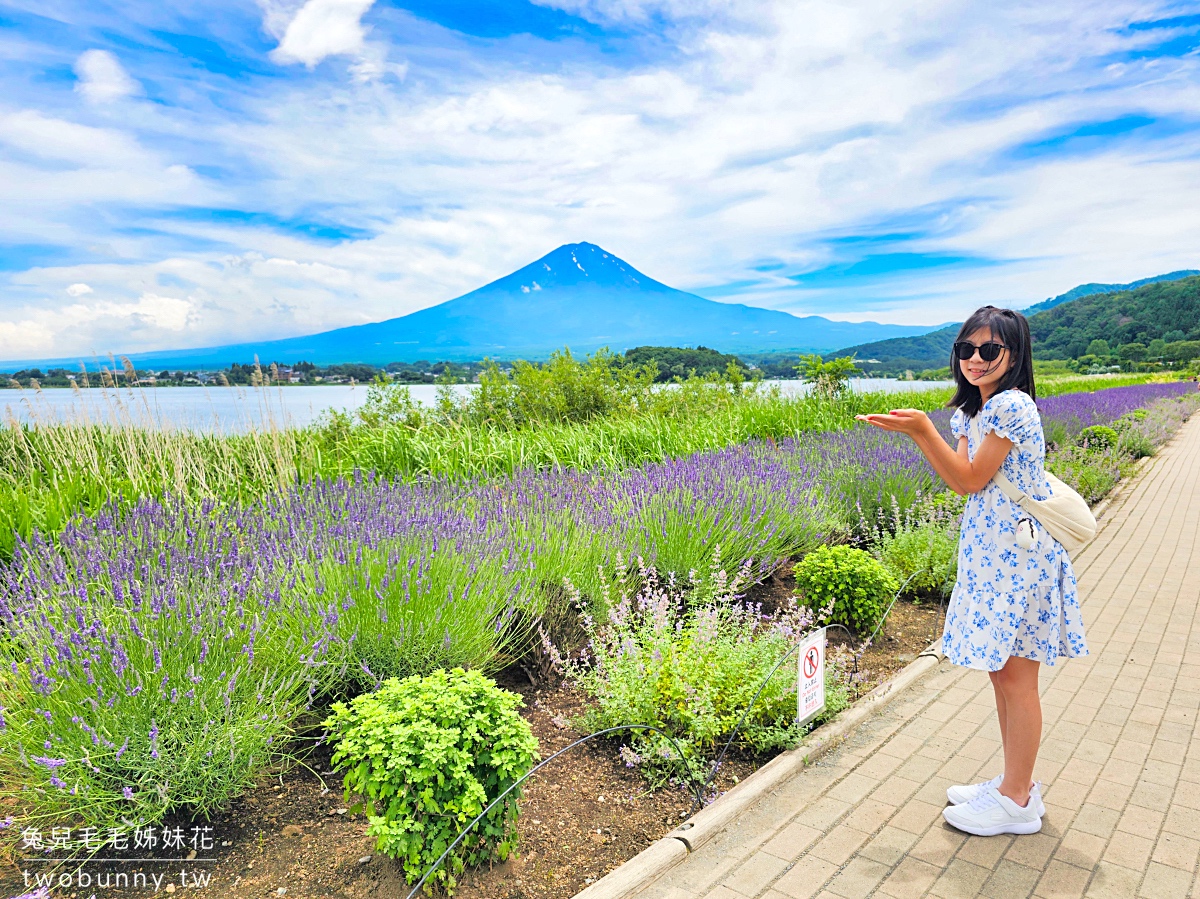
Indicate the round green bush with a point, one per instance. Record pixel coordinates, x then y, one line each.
855 582
1099 437
427 755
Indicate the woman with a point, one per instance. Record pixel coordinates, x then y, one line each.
1015 606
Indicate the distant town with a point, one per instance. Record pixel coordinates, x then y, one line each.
672 362
250 375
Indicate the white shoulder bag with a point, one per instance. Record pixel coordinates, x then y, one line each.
1065 515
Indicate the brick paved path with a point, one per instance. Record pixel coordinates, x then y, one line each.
1120 758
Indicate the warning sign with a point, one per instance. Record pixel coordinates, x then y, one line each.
811 686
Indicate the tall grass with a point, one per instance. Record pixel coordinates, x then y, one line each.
52 470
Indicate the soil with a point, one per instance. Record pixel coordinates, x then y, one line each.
582 816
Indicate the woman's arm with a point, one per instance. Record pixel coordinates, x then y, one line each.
961 475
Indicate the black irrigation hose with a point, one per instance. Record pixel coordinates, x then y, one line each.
530 773
698 795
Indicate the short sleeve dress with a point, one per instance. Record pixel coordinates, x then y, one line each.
1010 601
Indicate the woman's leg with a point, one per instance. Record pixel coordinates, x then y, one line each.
1020 709
1001 713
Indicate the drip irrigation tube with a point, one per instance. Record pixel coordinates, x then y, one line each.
697 794
697 797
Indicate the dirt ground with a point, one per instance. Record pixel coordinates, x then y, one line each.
582 816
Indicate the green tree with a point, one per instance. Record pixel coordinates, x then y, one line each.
1132 352
1098 347
830 378
1174 336
1156 349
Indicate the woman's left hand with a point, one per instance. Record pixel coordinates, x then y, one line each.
906 421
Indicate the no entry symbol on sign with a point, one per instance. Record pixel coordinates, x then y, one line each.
812 659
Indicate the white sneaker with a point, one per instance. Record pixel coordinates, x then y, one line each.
961 794
992 813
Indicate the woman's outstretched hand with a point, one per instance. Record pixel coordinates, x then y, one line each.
906 421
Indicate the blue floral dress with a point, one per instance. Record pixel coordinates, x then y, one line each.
1010 601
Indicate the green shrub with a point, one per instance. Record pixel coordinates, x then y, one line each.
426 755
1136 444
1098 437
691 669
1091 472
856 584
919 545
923 556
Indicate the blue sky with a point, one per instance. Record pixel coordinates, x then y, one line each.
173 178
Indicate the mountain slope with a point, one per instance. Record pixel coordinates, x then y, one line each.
932 350
1156 310
1086 290
577 296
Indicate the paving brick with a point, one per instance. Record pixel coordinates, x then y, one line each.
917 817
1163 882
1062 881
960 880
984 851
911 878
792 840
1096 820
839 844
1010 881
888 846
858 878
1113 882
1182 820
806 878
1080 849
1177 851
756 873
1129 851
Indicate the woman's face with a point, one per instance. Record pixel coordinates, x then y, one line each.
985 375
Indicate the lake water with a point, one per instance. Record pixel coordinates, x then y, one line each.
234 409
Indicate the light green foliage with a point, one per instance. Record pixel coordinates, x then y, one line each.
856 585
390 404
1136 444
1098 347
427 755
829 379
558 391
1092 472
920 546
691 666
1099 437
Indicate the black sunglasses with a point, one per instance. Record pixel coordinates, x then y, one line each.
988 352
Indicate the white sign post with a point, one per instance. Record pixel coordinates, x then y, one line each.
811 682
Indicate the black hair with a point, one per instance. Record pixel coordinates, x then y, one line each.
1009 328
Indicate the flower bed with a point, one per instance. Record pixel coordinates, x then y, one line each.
161 660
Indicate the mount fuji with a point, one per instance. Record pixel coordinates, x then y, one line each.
578 296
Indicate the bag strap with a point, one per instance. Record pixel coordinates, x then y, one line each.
1007 487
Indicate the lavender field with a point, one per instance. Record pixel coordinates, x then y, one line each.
159 657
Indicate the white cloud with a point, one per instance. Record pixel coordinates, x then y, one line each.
102 78
78 290
323 28
93 327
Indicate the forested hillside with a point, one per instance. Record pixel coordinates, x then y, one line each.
932 350
1167 311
